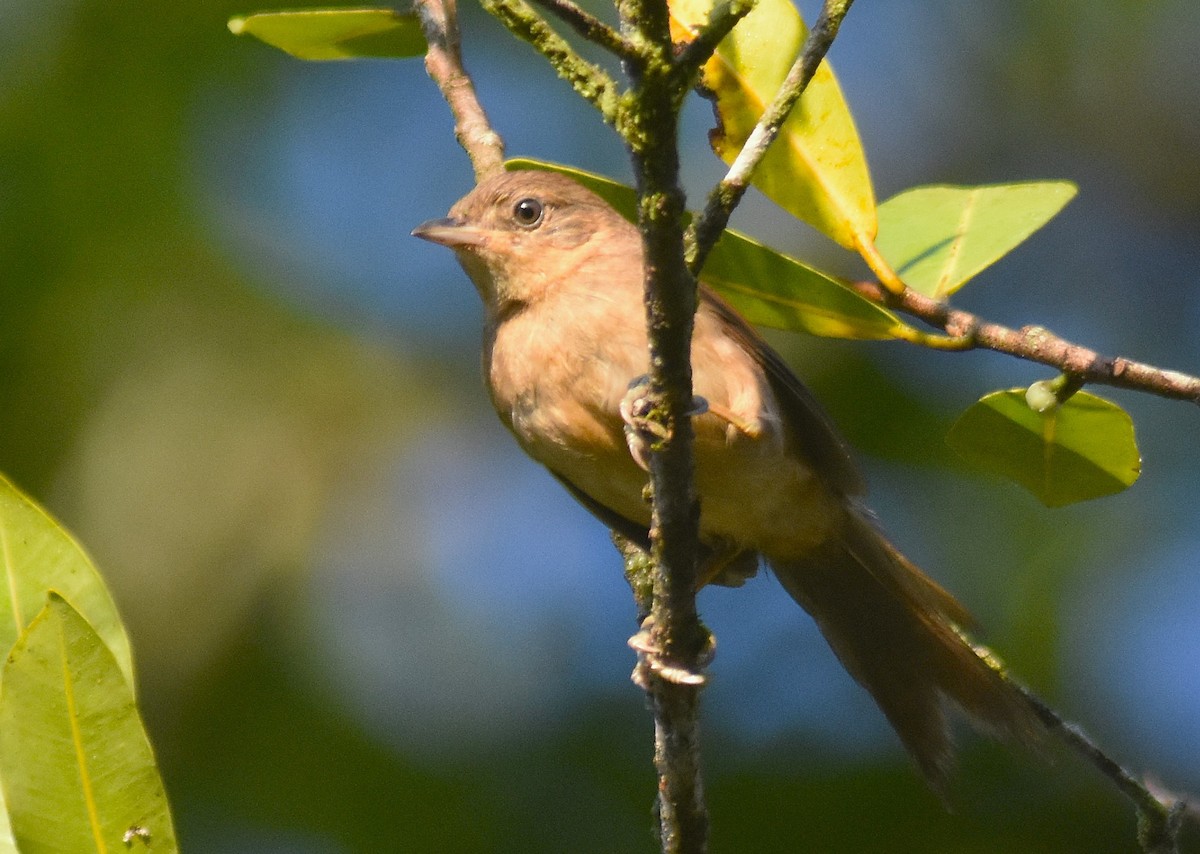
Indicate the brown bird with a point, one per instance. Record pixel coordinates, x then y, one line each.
560 273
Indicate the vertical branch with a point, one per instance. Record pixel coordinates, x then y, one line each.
649 124
443 63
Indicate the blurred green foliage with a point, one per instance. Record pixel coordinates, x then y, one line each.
199 433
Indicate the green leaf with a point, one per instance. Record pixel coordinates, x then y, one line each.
937 238
767 287
8 845
816 169
78 771
37 554
773 289
336 33
1081 449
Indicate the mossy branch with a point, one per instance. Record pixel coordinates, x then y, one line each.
699 50
589 80
590 27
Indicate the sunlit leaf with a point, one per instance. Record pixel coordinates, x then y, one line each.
769 288
336 33
773 289
937 238
78 771
36 555
8 845
1081 449
816 169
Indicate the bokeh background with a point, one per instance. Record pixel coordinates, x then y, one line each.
364 623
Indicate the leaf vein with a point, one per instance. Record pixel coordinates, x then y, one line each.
85 778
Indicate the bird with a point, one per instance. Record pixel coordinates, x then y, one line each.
560 273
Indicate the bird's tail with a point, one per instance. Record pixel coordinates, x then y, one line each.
897 632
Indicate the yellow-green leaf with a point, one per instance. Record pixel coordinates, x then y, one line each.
77 768
767 287
773 289
816 170
37 554
336 33
1081 449
937 238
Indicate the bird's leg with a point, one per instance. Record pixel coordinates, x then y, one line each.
650 659
727 566
642 431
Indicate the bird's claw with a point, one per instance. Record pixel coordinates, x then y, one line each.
641 430
651 661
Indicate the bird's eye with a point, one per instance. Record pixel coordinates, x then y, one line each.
528 213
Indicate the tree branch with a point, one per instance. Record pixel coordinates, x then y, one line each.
591 81
590 27
725 196
1036 344
699 50
443 63
1159 819
678 644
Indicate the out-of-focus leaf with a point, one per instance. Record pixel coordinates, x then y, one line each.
78 771
36 555
815 169
937 238
769 288
1079 450
336 33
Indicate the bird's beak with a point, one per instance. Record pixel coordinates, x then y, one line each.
450 231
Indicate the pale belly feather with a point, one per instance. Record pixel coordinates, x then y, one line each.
565 414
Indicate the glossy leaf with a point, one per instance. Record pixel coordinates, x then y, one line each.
8 845
323 34
78 771
816 169
938 238
767 287
37 554
1079 450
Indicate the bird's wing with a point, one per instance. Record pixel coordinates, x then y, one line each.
814 433
627 528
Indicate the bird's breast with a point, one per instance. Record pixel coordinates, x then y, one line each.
560 396
558 387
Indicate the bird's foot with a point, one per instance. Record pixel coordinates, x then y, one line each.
652 662
642 431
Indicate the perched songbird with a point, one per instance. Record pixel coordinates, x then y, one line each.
560 273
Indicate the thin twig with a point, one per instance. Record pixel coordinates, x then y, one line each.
1037 344
443 62
1159 820
726 194
721 21
592 82
590 27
